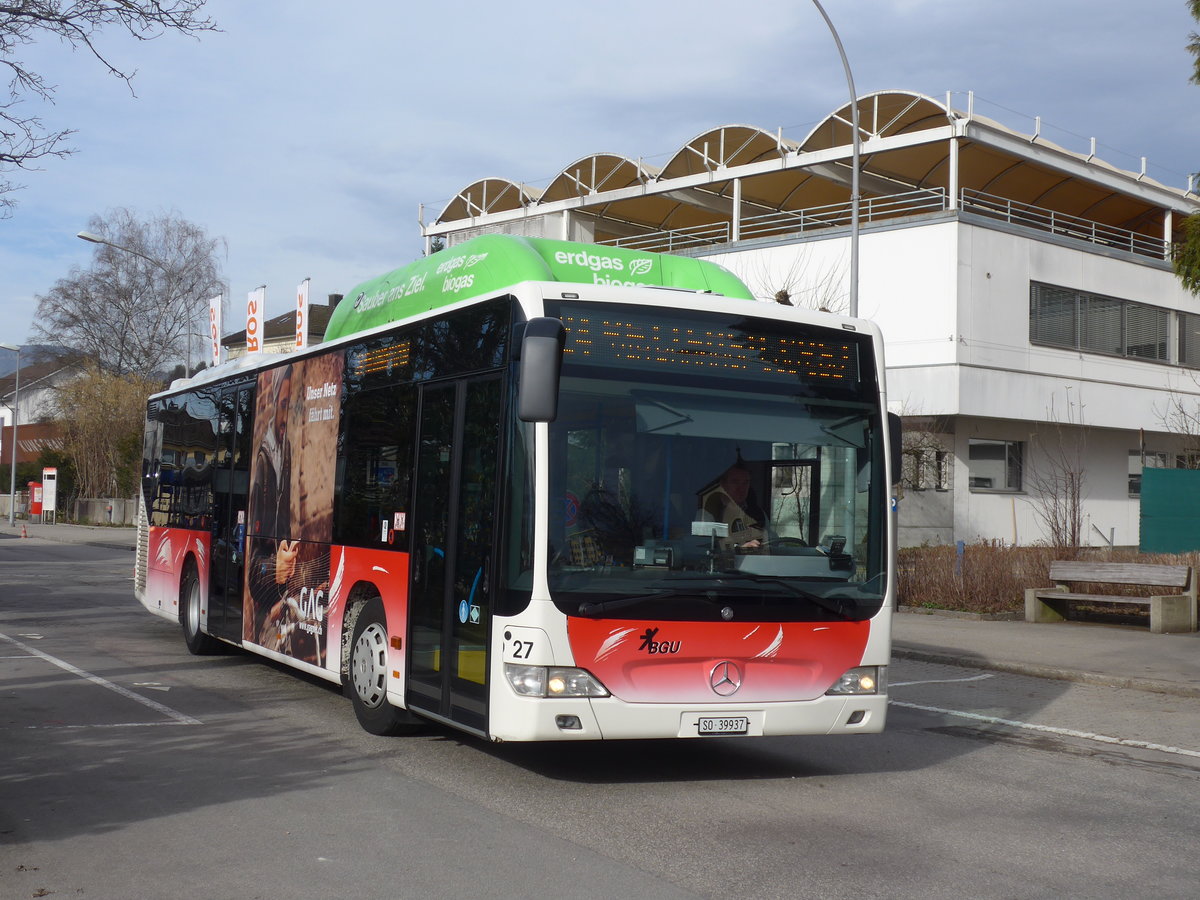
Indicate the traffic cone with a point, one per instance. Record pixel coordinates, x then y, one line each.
24 533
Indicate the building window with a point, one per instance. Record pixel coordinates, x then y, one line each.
916 468
1138 461
995 465
927 468
912 470
1189 460
1077 320
1189 339
941 470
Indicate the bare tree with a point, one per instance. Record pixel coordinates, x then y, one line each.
1181 416
1058 477
136 308
101 416
24 138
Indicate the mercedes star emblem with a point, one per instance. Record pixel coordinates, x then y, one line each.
726 678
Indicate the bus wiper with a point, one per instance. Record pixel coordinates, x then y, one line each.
829 604
588 608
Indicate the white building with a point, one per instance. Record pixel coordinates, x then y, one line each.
34 395
1035 330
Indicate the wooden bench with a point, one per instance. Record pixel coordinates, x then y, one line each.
1168 612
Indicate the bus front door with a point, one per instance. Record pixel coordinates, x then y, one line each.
458 449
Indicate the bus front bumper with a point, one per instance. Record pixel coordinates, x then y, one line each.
542 719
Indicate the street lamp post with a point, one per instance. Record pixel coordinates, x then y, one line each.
855 143
12 475
96 239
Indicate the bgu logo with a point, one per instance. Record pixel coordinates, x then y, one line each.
651 646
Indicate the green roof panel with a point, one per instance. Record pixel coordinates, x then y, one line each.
489 264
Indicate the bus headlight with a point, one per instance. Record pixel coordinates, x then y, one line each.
553 681
862 680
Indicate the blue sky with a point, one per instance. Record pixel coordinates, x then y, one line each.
307 141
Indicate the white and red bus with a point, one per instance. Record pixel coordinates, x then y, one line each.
539 490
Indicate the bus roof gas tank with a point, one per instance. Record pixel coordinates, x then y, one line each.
491 263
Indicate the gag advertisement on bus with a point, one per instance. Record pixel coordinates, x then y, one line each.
290 508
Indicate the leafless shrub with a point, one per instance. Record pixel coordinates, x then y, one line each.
800 283
991 578
100 416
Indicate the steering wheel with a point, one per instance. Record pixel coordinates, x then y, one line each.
784 546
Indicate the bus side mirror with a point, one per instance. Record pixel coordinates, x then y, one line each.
541 366
895 445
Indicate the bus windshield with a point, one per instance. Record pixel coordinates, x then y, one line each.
730 481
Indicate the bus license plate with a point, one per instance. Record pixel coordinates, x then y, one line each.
724 725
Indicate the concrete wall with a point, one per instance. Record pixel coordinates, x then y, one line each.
926 517
104 511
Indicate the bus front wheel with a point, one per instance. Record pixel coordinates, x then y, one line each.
367 681
190 601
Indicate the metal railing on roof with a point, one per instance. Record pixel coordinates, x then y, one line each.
1064 225
674 240
894 206
799 221
837 215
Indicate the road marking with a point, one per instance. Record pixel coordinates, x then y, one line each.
1050 729
159 724
178 717
941 681
152 685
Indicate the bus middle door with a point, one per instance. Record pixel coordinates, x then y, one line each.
458 449
231 486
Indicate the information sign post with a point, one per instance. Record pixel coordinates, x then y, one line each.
49 495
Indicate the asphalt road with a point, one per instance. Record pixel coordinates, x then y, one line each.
130 769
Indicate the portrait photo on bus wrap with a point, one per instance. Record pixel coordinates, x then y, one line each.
290 511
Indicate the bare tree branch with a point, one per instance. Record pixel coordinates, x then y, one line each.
24 138
800 283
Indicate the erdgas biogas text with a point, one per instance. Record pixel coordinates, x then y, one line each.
598 264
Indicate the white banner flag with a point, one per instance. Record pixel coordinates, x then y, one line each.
302 315
256 302
214 328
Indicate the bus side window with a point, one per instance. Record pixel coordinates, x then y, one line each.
374 471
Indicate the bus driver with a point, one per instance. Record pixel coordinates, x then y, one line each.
733 504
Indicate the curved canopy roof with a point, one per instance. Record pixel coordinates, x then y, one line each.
726 147
596 173
910 142
489 195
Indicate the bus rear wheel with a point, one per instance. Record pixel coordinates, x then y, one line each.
190 601
367 681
